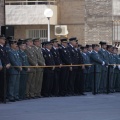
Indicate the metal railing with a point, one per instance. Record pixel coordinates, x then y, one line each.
39 2
56 66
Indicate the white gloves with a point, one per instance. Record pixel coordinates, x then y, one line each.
103 63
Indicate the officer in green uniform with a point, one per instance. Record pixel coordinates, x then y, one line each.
23 73
14 71
98 62
103 54
117 70
86 60
112 61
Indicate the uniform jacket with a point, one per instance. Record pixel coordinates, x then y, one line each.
14 60
4 56
32 58
96 60
65 56
49 60
23 59
39 54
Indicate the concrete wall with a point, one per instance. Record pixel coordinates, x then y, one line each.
71 13
1 13
98 21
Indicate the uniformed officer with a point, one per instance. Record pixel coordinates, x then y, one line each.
73 70
32 59
23 74
66 60
43 46
5 63
86 60
103 54
48 72
14 71
39 71
57 61
0 65
79 80
98 62
89 49
111 60
117 70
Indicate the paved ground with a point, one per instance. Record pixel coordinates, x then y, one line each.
99 107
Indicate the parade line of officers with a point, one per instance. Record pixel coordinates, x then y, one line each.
36 82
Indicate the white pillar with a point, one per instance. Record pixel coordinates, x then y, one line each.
48 29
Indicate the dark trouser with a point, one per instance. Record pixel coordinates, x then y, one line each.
116 80
71 81
1 85
47 82
55 90
103 81
64 74
14 86
22 85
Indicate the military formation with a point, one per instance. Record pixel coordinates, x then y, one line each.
35 69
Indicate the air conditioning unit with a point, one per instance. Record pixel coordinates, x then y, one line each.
61 30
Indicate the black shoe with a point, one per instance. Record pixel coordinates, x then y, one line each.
12 100
83 94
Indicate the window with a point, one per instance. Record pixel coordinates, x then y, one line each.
37 33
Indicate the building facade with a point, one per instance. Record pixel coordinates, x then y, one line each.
90 21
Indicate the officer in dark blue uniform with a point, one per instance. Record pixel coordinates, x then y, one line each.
48 72
73 70
0 65
5 63
23 74
14 71
66 60
79 80
43 46
57 70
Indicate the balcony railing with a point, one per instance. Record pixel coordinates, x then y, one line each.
39 2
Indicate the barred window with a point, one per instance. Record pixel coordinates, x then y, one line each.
37 33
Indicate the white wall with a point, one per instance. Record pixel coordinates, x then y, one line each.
29 15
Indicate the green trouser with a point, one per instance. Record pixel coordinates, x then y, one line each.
103 81
97 81
30 89
38 81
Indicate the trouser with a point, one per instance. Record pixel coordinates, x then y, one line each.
87 80
14 86
1 85
38 81
23 83
30 89
103 81
47 82
116 80
71 81
56 80
97 81
64 74
111 79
